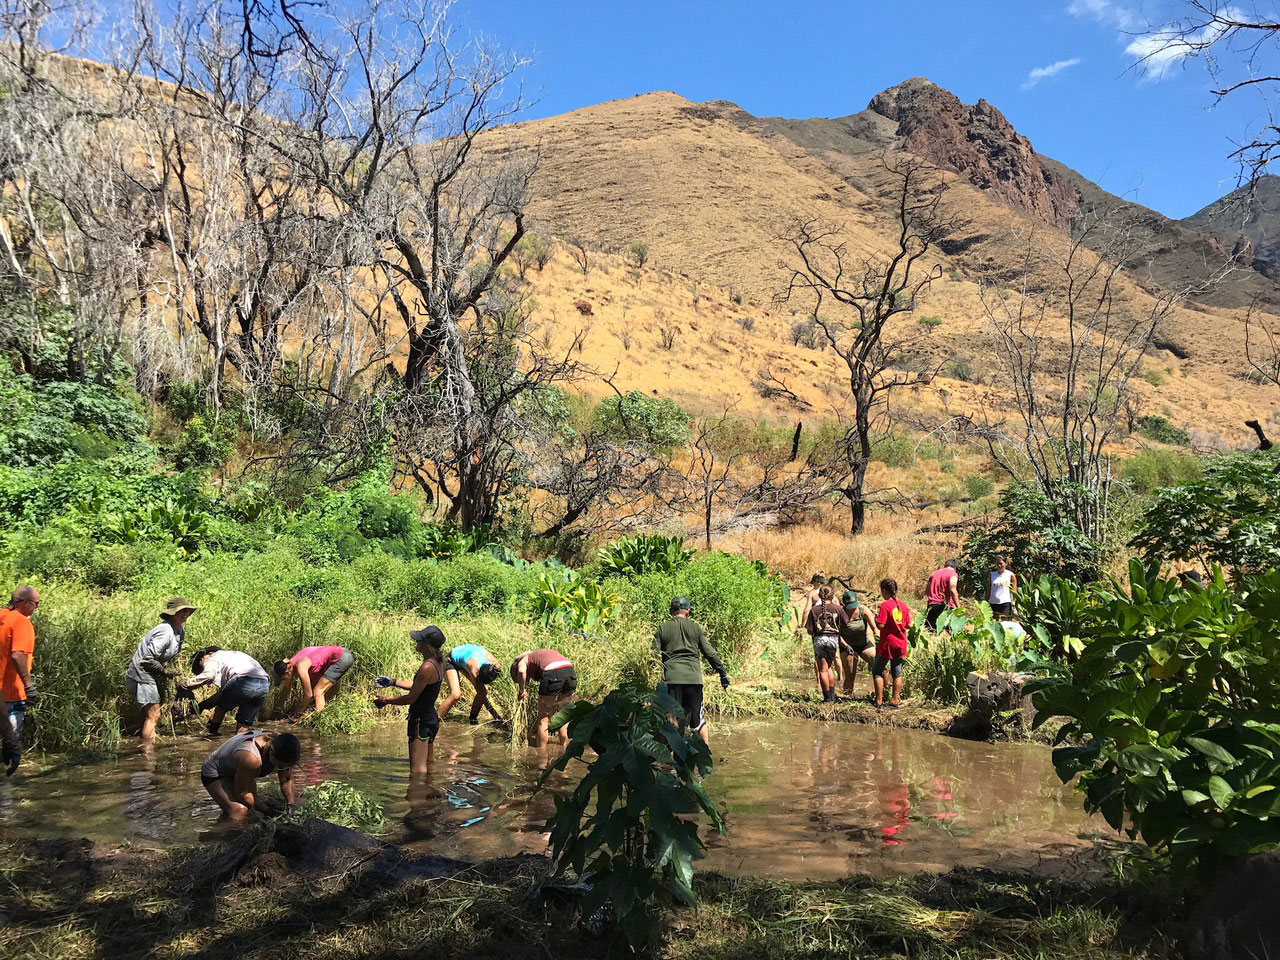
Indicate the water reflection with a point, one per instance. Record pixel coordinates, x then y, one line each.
803 799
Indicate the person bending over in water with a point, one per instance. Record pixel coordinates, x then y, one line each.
894 620
479 667
682 643
557 682
857 638
242 686
318 669
824 624
424 721
231 773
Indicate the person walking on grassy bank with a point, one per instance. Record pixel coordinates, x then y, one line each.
557 683
857 638
681 643
17 657
232 771
147 676
944 593
317 669
894 620
481 669
825 622
1003 585
242 685
424 689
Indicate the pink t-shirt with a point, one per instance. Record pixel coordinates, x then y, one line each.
938 586
322 658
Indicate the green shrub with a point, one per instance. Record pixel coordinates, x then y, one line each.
930 323
940 669
658 422
204 442
1171 716
1153 377
1231 516
894 450
1158 428
977 486
632 821
1151 469
632 556
564 598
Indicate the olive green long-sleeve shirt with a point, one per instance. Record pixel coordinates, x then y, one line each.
682 644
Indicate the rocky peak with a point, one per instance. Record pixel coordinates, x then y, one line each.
980 144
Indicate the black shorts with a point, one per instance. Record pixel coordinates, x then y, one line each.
1002 608
689 696
932 613
558 683
856 642
424 726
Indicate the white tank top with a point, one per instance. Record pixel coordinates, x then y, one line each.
1001 587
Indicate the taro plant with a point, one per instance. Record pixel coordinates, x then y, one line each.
634 556
630 828
563 597
1172 722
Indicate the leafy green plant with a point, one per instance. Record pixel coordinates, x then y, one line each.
1231 517
656 422
563 597
343 804
940 666
1158 428
631 825
1058 607
1171 715
1153 468
929 323
632 556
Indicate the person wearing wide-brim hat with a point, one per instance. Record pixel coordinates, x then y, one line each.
147 676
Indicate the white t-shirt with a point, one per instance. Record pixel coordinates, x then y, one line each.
1001 587
223 666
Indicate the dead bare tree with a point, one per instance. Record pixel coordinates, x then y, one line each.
580 253
866 300
1070 334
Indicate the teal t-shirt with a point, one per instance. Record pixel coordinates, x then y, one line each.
459 655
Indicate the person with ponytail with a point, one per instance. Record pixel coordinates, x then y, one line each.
423 690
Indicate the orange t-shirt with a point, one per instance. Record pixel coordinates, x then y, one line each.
17 635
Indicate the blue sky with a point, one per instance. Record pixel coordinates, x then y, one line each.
1161 141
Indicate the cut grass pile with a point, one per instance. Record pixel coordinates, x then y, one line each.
69 901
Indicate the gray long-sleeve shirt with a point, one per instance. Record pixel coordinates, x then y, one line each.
161 645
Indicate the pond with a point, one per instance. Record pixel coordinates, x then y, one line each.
804 799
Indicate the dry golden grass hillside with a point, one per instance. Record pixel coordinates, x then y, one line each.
710 190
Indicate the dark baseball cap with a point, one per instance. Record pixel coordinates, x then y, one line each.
850 600
432 635
681 603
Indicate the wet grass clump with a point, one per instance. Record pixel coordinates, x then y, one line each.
71 900
343 804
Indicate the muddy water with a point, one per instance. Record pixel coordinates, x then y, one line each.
803 799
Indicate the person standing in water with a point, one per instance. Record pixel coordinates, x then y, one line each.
17 657
147 676
894 620
825 622
557 683
1004 584
231 772
944 593
242 686
857 638
481 670
681 644
424 689
317 669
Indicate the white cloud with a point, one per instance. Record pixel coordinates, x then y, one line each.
1157 53
1052 70
1105 11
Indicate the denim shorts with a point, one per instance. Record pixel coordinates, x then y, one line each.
339 667
895 664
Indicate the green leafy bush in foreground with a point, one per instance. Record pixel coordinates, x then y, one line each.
1172 711
631 824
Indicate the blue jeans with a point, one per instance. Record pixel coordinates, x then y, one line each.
247 695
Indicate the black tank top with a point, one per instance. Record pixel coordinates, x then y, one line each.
426 702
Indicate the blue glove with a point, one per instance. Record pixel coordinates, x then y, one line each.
384 682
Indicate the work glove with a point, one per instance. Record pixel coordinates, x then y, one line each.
384 682
11 754
33 695
725 681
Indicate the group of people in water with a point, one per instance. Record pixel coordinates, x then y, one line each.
847 633
843 634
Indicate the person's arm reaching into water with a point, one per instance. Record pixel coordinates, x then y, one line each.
244 787
522 677
455 694
287 787
303 670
